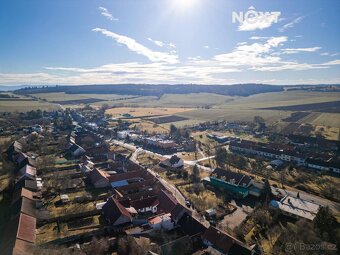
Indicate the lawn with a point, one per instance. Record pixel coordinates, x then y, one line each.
56 208
146 159
49 232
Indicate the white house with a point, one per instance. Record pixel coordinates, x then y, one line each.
143 205
123 134
173 162
162 221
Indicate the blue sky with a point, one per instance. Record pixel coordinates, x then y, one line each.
168 41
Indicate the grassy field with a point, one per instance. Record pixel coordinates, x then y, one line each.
175 100
61 96
150 127
49 232
202 106
244 109
24 106
283 99
193 100
142 111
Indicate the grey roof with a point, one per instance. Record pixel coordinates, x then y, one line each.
227 175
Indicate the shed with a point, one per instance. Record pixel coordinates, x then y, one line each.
64 198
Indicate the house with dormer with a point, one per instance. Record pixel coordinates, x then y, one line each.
235 183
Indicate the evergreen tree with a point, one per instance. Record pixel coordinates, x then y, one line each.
325 223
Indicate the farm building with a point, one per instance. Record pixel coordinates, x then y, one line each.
296 207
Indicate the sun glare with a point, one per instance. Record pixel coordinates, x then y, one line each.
183 4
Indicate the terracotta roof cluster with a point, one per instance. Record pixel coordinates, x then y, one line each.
25 235
20 231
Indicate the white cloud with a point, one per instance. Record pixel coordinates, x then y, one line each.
284 66
259 38
158 43
163 44
195 58
324 54
264 55
252 54
172 45
291 24
298 50
333 62
105 12
206 47
263 21
140 49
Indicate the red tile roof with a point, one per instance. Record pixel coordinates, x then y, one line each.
113 210
224 242
26 228
97 175
23 248
144 202
129 175
137 186
167 201
22 193
220 240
